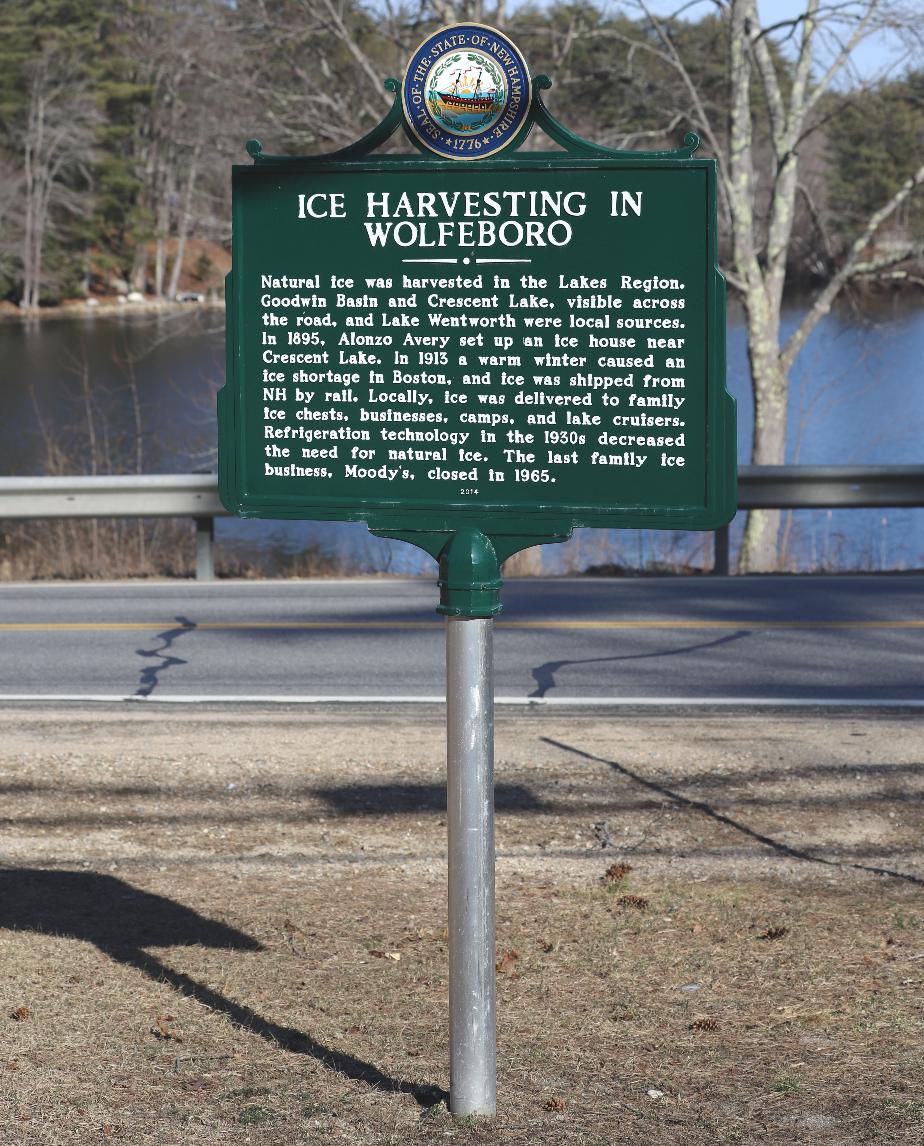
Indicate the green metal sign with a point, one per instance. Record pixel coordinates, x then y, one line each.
477 356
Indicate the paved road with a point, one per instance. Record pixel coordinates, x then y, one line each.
821 639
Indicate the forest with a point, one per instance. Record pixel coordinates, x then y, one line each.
119 119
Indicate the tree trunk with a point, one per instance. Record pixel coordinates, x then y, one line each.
29 285
161 234
526 563
183 227
37 257
160 265
759 549
138 279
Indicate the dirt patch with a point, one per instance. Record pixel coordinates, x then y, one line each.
229 927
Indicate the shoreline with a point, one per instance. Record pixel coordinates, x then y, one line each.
105 309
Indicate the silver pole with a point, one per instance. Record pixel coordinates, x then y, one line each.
470 818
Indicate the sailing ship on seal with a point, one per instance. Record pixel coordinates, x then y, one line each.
466 94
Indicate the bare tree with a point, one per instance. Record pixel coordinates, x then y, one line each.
759 174
760 248
56 141
166 50
184 219
179 144
325 48
11 216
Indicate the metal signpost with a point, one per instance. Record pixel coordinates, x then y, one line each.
476 349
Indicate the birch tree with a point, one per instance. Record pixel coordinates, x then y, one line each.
167 51
760 179
186 59
56 139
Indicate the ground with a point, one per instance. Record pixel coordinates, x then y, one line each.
223 926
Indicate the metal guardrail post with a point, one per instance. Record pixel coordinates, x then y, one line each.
720 552
205 548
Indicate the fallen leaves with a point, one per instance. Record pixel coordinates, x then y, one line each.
290 932
21 1014
507 961
616 872
164 1032
556 1104
639 902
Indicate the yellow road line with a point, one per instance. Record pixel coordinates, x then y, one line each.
655 623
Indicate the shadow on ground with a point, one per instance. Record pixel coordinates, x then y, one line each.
391 799
121 920
544 674
161 658
705 809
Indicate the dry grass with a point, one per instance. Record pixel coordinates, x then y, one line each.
200 913
104 548
114 548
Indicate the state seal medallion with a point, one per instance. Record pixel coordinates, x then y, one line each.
466 92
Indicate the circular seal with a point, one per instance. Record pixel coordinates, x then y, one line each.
466 92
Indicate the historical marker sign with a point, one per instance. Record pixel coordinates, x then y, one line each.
526 343
476 356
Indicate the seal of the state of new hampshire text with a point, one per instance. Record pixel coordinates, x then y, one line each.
466 92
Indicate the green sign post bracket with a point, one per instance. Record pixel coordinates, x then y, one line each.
469 564
530 342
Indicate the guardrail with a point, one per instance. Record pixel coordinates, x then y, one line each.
134 495
821 487
196 496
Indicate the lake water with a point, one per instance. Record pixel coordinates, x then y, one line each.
858 397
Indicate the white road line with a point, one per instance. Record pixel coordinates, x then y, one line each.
523 701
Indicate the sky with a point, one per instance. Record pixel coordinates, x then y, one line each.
881 55
870 58
873 56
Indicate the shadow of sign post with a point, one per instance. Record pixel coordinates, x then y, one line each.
122 921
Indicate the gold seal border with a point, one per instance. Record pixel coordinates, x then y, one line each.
407 114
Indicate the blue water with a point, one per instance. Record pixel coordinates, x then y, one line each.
857 398
466 119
